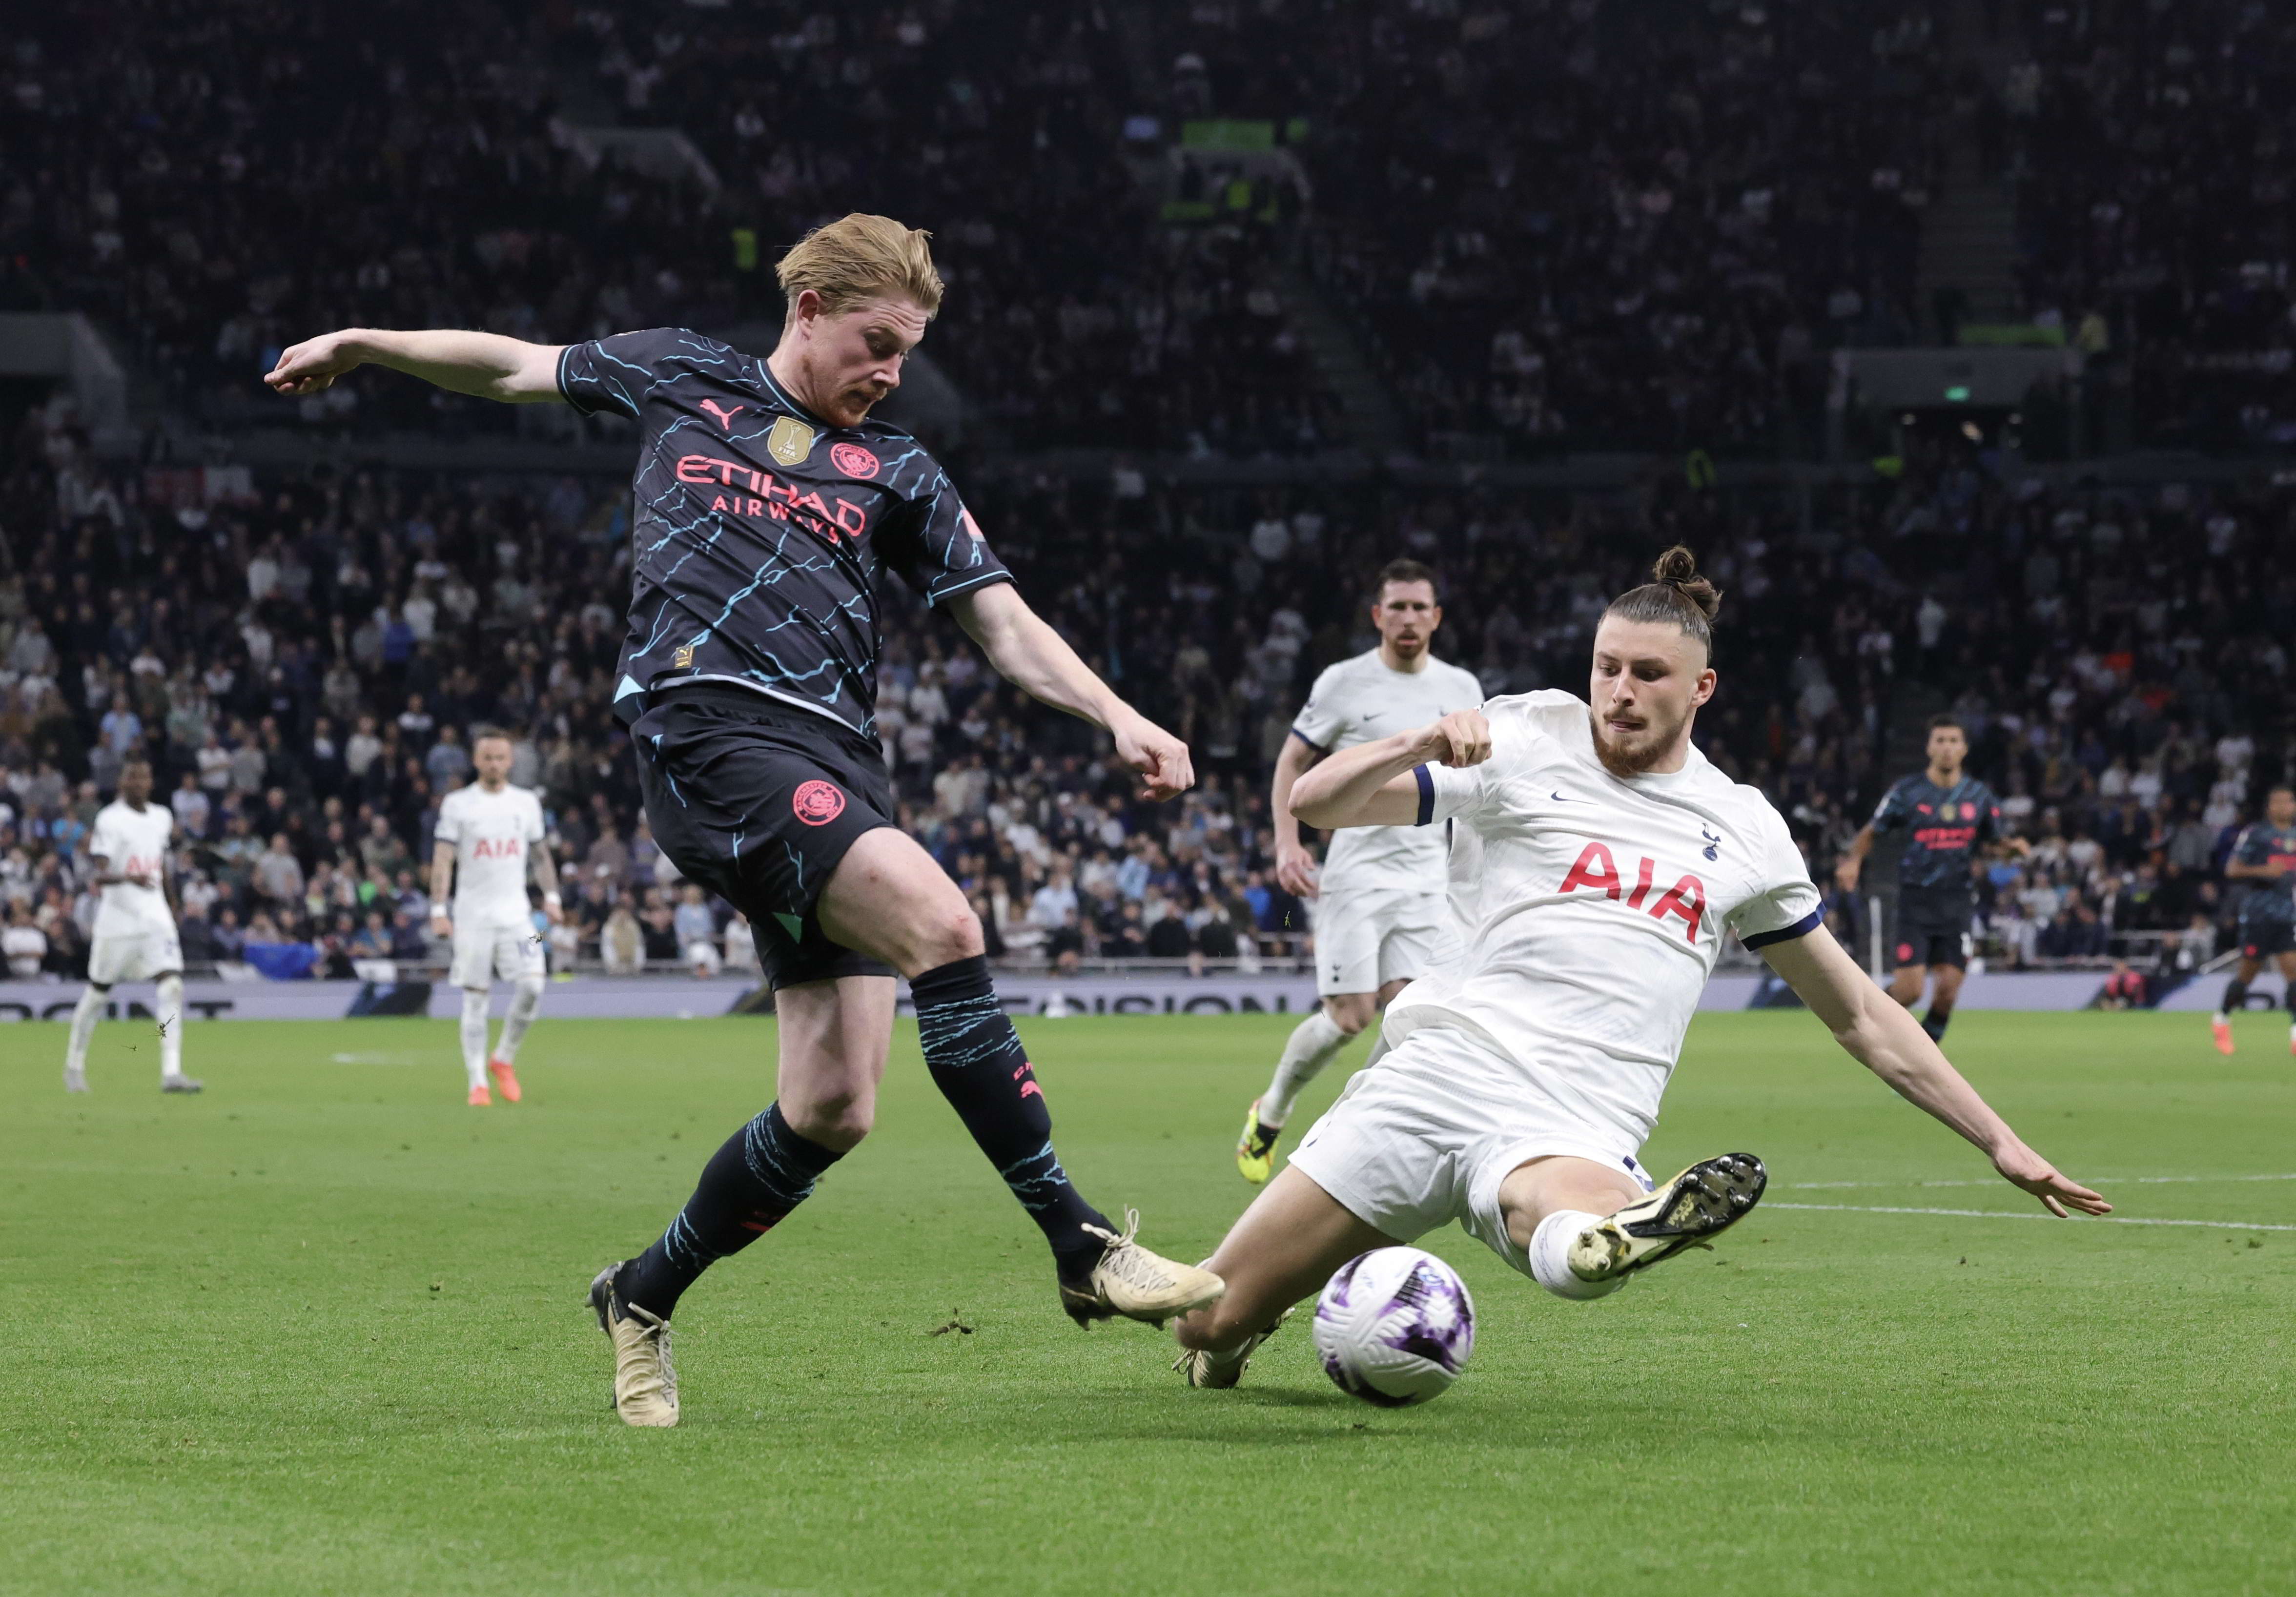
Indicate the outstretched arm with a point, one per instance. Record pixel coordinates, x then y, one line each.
485 365
1371 784
1038 662
1882 1035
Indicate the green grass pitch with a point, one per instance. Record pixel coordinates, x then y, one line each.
322 1330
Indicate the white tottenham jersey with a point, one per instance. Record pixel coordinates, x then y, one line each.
133 842
1590 908
493 834
1361 700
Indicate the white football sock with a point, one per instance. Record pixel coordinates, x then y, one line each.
525 1003
85 1015
170 1023
1550 1256
1312 1043
474 1036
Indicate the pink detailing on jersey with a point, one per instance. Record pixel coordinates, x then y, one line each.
1026 1087
1685 900
1642 884
853 459
724 417
497 849
1595 872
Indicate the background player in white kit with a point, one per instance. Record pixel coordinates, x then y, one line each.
489 837
1597 859
135 936
1380 895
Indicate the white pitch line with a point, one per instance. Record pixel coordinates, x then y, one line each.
2110 1180
2000 1214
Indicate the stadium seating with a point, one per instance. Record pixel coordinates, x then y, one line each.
305 659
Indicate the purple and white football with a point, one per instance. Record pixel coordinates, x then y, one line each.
1394 1326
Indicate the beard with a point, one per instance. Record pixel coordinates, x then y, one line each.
1637 752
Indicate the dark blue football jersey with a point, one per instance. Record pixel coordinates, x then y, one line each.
761 530
1944 826
2261 898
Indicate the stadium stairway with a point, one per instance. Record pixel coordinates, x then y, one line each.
1375 424
1967 267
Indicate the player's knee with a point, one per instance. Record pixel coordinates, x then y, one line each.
835 1119
527 989
1350 1014
945 935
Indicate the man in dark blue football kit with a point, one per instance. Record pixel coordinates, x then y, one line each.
1946 815
766 502
2262 858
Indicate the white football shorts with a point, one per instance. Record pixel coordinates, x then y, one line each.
1423 1138
1364 940
486 955
134 956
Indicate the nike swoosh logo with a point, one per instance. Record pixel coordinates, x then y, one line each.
1560 799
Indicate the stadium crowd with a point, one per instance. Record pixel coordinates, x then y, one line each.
419 167
1648 232
305 661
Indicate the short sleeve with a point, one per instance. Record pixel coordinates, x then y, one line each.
1448 792
1322 718
449 827
1988 816
1890 813
616 372
103 842
535 829
1785 903
936 547
1456 792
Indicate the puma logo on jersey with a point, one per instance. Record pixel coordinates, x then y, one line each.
1596 872
724 417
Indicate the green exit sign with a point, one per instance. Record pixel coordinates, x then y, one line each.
1958 393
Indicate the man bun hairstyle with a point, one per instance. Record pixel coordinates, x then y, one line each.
1675 595
1405 570
860 257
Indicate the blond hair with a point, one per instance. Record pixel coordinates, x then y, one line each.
857 256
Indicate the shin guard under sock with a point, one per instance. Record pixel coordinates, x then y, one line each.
763 1171
976 1061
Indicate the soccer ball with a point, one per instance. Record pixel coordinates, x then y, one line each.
1395 1326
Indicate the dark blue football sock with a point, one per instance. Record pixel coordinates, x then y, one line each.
748 1187
976 1061
1934 1023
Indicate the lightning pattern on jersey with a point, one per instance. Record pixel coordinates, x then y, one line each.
760 531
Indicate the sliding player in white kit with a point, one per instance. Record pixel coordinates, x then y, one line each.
135 938
1379 912
489 837
1597 858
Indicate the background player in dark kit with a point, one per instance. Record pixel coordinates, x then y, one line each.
1946 815
2263 860
765 503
